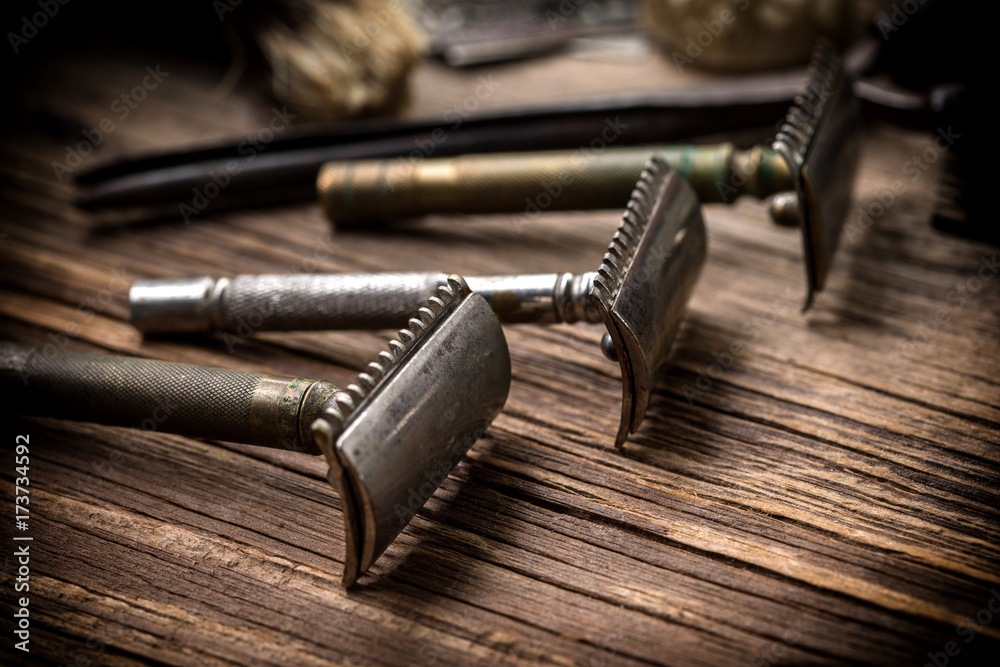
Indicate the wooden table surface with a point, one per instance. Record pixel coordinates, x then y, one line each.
828 494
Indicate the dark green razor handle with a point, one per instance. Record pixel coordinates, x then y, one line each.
210 403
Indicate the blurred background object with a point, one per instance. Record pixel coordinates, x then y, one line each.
745 35
331 59
335 60
475 32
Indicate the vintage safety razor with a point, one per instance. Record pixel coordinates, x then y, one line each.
639 292
813 157
390 438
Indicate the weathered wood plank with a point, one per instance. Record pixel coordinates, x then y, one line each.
826 494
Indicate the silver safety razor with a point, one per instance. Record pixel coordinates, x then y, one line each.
639 292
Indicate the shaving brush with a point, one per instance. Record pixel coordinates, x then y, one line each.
331 59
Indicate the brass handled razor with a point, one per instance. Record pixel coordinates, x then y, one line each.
530 182
639 292
389 438
813 157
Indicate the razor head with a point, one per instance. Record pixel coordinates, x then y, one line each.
646 279
820 142
393 436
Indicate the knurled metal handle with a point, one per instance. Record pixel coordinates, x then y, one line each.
211 403
296 302
532 182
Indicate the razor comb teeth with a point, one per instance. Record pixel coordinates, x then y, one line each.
347 401
804 117
645 280
819 143
625 243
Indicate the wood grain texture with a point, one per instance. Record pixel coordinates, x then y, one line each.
805 489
